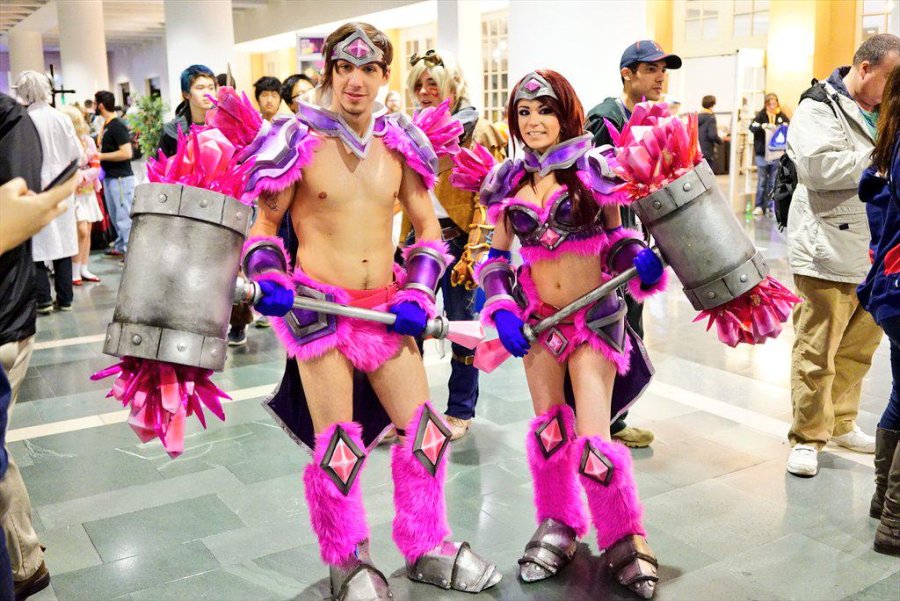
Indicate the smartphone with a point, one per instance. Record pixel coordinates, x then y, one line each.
64 175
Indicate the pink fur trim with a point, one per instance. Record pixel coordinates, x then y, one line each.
640 293
366 344
420 523
436 245
556 492
489 310
339 521
417 297
263 179
398 140
586 247
578 333
615 509
275 240
495 211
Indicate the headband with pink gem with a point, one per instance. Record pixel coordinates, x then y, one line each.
358 49
534 86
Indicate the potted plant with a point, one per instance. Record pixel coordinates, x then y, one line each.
146 124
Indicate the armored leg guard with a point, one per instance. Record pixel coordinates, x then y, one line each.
419 467
561 516
338 516
607 477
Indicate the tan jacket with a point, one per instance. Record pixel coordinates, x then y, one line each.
459 204
827 231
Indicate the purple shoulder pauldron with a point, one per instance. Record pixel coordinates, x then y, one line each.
501 180
280 151
400 134
597 171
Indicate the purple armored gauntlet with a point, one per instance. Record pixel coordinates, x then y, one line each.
426 262
624 247
497 278
265 258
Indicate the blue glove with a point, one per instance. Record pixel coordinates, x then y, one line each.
509 327
276 299
411 319
649 267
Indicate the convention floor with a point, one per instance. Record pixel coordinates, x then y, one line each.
227 520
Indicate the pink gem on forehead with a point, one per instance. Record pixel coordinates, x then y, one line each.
359 48
532 85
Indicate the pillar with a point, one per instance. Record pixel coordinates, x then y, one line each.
26 52
82 48
197 32
459 31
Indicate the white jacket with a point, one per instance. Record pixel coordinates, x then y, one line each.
59 238
827 231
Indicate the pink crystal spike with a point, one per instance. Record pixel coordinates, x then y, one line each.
466 333
490 355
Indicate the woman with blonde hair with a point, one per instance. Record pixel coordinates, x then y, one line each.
434 78
87 209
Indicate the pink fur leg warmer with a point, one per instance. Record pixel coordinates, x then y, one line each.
333 494
419 468
552 457
608 478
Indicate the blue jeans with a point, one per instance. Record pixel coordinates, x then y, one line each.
765 183
890 419
119 194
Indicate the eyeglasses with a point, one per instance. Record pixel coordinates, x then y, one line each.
431 58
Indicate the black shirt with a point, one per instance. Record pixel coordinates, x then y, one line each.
20 156
115 134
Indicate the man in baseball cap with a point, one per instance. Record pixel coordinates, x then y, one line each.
643 70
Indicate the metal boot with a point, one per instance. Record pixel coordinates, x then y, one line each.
551 548
454 566
885 443
359 580
632 562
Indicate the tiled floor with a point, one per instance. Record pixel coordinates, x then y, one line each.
227 520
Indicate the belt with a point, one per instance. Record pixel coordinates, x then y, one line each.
449 230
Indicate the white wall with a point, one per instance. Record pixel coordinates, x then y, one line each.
136 64
582 40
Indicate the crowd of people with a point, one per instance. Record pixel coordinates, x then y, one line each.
843 238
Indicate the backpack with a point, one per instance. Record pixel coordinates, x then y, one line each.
786 173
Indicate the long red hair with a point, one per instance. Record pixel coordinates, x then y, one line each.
570 113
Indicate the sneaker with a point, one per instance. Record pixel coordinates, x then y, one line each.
856 440
458 427
803 460
112 252
237 337
38 582
263 322
45 309
636 438
59 307
758 212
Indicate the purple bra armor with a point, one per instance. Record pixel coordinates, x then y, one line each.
558 226
561 156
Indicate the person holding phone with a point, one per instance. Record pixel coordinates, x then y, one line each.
58 241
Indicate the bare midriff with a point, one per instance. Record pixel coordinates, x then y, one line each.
342 214
564 279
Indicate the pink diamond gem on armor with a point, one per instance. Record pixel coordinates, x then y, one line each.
549 237
595 468
556 342
532 85
551 436
342 461
358 48
432 442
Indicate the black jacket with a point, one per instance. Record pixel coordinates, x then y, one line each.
759 134
20 156
709 136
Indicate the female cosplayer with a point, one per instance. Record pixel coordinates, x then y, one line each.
559 202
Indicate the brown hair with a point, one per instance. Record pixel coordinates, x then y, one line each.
888 123
345 31
708 102
570 113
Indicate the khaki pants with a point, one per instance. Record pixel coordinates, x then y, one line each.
835 339
25 552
